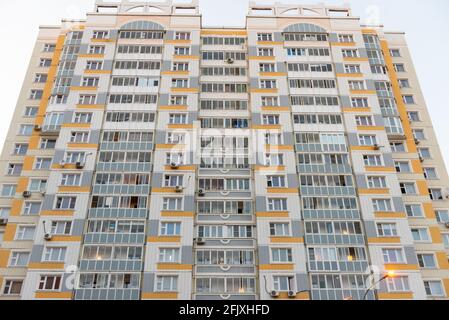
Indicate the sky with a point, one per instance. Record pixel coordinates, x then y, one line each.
426 24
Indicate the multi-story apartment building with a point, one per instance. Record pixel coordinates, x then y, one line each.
150 157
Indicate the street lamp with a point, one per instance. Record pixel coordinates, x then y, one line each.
389 274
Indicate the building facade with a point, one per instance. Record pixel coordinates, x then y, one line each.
150 157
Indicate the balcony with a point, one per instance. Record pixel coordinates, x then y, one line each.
111 265
327 191
107 294
118 213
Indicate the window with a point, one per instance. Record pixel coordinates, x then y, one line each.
402 166
31 208
420 234
399 67
180 83
276 182
435 194
71 179
445 239
419 134
166 283
430 173
346 38
426 260
20 149
277 204
25 233
40 78
94 65
350 53
364 121
100 34
4 213
359 102
182 35
178 118
172 204
44 63
173 180
169 255
367 140
281 255
270 119
407 188
19 259
398 147
31 112
26 129
65 203
398 284
264 37
12 287
377 182
36 94
62 228
279 229
395 52
50 283
404 83
54 254
87 99
442 216
413 116
81 117
352 68
43 163
283 283
387 230
414 210
434 288
393 255
372 160
14 169
180 66
182 51
270 101
265 52
49 47
96 49
178 100
47 144
424 153
37 185
79 137
356 85
267 67
408 99
170 228
268 84
90 82
9 190
382 205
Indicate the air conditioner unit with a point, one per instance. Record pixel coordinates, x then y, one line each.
447 225
37 127
174 165
417 141
291 294
62 163
230 60
201 193
179 189
421 159
26 194
200 241
3 222
274 294
376 147
79 165
47 237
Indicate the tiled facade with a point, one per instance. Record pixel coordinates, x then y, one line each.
150 157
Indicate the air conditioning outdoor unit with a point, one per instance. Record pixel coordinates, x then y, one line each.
274 294
47 237
26 194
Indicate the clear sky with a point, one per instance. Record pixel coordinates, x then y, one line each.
425 22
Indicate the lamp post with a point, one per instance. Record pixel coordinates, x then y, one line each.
389 274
